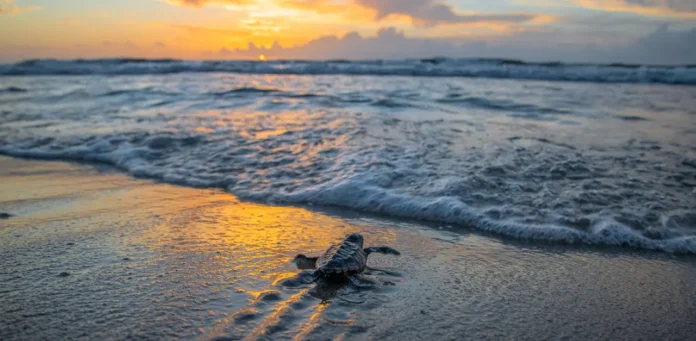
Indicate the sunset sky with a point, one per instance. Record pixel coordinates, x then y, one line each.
215 29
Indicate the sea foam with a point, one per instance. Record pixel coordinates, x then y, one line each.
554 161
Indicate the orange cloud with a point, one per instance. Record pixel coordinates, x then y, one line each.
420 12
201 3
293 22
433 12
663 46
543 19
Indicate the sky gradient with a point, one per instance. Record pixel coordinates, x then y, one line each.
643 31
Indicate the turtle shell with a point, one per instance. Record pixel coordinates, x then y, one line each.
345 257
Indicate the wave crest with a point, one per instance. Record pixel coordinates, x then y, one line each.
486 68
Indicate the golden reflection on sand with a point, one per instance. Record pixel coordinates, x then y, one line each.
248 249
155 261
311 323
199 252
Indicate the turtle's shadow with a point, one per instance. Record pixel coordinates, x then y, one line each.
328 290
346 286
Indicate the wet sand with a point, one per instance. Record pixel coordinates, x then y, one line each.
90 253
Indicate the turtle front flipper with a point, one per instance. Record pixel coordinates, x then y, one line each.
381 249
305 263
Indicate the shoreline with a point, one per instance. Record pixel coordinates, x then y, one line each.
488 229
152 260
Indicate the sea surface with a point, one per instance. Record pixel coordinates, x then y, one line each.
596 154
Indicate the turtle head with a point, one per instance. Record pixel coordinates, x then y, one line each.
305 263
356 238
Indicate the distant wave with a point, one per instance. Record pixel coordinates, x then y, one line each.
13 89
246 90
436 67
499 104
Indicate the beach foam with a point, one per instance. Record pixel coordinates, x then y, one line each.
526 159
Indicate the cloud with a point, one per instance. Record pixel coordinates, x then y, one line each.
661 8
201 3
667 45
662 46
388 43
160 44
431 12
421 12
677 5
9 8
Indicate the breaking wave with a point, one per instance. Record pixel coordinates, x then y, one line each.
443 67
563 162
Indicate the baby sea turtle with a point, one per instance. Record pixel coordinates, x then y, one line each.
343 259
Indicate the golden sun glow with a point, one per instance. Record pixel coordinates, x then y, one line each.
243 29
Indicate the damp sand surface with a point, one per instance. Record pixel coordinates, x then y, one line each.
89 253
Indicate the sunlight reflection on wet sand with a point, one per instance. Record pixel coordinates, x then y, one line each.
196 251
155 261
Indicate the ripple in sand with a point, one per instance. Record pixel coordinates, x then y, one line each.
246 315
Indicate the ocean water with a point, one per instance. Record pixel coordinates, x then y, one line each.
565 153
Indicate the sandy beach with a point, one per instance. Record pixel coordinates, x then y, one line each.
90 253
219 170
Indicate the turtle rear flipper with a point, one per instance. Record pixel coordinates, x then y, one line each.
382 249
305 263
